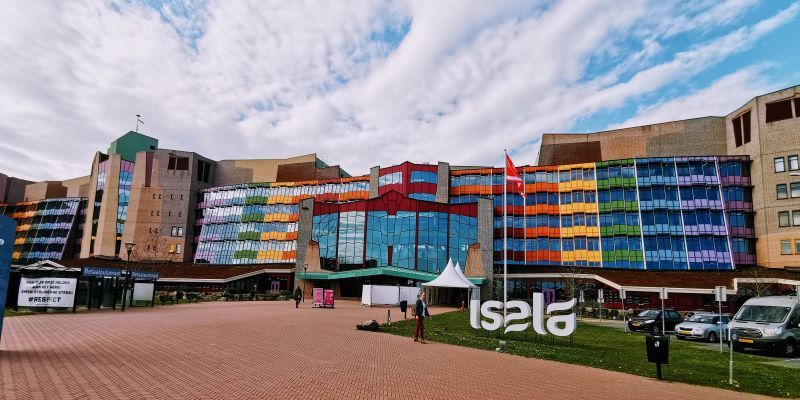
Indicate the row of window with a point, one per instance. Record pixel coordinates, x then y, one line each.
239 195
783 193
390 179
171 196
648 172
780 163
784 220
424 177
786 247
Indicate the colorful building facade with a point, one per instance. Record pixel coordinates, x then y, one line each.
669 213
672 213
47 229
258 223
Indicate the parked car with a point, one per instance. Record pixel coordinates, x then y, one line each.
650 321
771 323
704 325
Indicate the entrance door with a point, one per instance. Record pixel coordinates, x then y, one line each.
275 286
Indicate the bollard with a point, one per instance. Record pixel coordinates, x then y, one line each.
389 317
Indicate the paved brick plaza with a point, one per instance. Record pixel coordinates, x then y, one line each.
271 350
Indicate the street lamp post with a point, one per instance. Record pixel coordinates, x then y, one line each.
305 277
129 249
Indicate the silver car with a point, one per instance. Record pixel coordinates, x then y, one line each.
704 326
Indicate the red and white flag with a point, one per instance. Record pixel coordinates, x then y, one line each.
513 177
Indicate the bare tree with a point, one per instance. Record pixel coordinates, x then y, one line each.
759 285
151 252
573 284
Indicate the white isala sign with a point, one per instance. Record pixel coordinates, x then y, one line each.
47 292
558 325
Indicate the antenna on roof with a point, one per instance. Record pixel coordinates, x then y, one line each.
138 121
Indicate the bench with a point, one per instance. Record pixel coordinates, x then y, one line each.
166 298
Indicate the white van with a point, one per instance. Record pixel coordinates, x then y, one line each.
768 323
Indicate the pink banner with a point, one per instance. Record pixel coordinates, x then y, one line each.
317 296
328 298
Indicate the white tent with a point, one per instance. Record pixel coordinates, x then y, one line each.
451 277
460 272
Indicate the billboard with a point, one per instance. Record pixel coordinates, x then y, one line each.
47 292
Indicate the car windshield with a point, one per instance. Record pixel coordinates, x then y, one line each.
762 313
649 314
701 318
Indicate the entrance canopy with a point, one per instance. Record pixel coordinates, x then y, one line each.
451 277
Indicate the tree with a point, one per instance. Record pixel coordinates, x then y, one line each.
758 285
151 252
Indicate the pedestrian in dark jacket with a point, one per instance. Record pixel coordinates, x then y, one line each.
298 295
421 310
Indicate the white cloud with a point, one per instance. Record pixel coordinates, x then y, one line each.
719 99
265 79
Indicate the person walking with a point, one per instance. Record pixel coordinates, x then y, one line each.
421 311
298 295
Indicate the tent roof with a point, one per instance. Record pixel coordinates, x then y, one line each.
451 278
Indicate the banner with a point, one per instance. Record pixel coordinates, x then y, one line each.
47 292
317 296
8 232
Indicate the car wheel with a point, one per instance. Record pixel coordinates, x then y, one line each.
680 337
712 337
788 349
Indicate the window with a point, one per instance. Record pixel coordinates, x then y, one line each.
779 110
794 189
746 127
741 129
172 248
780 166
796 217
786 247
178 163
793 163
174 231
783 219
154 196
797 251
180 232
781 191
390 179
423 176
203 171
178 249
737 131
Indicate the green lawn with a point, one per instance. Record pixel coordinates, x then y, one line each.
612 349
9 312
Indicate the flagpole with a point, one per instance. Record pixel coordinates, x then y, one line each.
505 235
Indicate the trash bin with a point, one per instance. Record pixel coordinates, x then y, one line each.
404 307
658 349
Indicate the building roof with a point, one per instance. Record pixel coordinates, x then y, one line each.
670 279
185 272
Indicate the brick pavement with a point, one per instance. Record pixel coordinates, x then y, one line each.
265 350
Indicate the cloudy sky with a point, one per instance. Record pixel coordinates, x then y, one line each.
363 83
